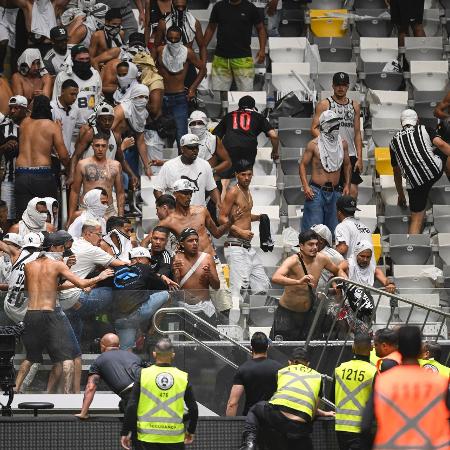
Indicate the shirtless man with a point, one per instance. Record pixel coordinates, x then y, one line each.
199 218
98 172
195 272
130 117
39 135
243 261
110 37
326 154
28 81
46 328
173 61
300 274
104 118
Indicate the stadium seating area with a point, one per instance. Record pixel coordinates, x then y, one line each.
314 44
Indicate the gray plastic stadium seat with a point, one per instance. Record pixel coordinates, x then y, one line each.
262 310
369 4
334 49
294 132
424 104
441 218
423 48
396 220
376 79
409 249
325 4
376 27
444 247
290 159
292 22
439 193
446 274
210 103
293 190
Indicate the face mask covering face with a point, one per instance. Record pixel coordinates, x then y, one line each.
174 56
112 31
57 256
82 69
330 149
198 130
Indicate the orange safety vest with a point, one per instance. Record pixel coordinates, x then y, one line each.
410 410
396 356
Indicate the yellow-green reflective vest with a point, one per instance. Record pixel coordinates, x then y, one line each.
353 386
298 388
373 357
434 366
161 405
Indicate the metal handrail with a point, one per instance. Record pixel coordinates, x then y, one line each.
199 342
374 290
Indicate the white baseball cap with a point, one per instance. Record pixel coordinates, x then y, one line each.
183 185
189 140
32 240
409 117
18 100
104 109
14 238
324 232
140 252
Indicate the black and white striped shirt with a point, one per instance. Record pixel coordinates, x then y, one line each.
412 149
9 130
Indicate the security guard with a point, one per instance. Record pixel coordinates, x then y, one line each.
410 406
353 386
385 343
430 359
285 421
157 405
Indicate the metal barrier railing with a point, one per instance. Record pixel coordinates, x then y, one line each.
205 324
394 300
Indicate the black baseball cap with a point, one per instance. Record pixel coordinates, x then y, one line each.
56 238
136 39
341 78
300 354
58 34
346 203
247 101
77 49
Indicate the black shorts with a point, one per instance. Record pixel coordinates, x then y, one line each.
30 183
406 14
291 325
46 330
418 196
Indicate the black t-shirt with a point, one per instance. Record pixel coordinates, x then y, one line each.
118 368
162 263
239 132
132 286
259 378
234 28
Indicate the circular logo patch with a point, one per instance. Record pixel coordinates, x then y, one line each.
431 368
164 381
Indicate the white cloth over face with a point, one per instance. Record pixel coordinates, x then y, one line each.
121 251
363 275
174 56
49 202
135 109
125 83
43 17
331 151
32 218
29 56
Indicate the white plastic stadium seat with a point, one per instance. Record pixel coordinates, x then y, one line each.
294 132
429 76
287 49
149 217
396 219
273 258
290 159
283 78
413 278
234 97
328 69
264 164
383 130
365 190
390 105
274 216
147 190
388 191
417 314
439 193
423 48
378 49
432 22
264 190
293 190
444 247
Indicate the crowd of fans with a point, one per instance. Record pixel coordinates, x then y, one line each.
89 107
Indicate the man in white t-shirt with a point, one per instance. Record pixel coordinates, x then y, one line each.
349 231
188 167
89 256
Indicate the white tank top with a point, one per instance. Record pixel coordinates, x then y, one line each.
347 115
112 146
16 300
